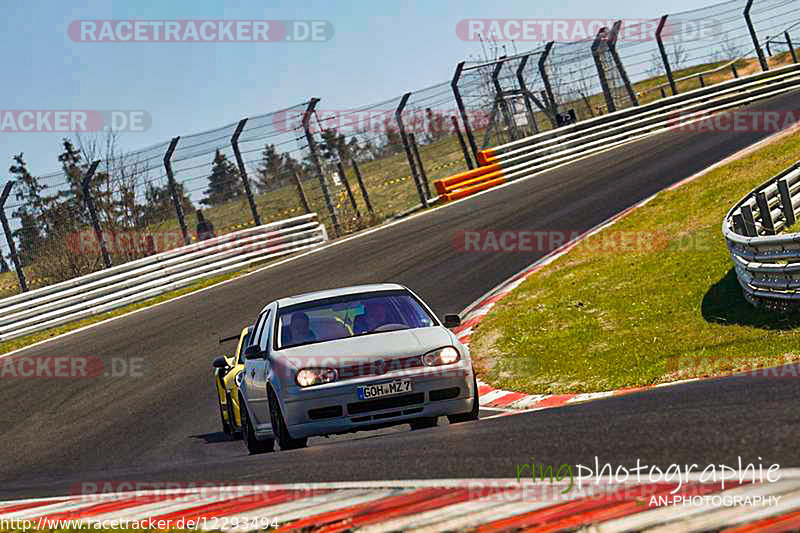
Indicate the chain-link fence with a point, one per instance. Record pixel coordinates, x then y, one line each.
358 167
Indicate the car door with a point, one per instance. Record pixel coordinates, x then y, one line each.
257 370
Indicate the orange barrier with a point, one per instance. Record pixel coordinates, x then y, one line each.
485 156
444 185
465 183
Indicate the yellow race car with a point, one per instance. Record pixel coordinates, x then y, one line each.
227 378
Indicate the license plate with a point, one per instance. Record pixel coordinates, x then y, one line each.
398 386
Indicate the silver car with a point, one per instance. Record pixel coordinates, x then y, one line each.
351 359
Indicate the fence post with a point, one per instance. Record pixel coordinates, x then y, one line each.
612 47
399 116
500 96
301 192
786 202
601 73
765 213
463 111
791 47
87 197
173 189
347 187
422 175
526 99
552 105
23 284
761 59
457 129
243 170
361 186
733 68
312 148
664 57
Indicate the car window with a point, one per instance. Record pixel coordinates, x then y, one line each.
263 340
348 316
258 326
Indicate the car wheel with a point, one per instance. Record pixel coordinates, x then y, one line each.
279 429
235 433
254 446
424 422
472 415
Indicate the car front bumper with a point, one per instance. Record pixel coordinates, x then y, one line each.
336 407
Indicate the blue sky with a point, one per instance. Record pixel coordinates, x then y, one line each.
380 50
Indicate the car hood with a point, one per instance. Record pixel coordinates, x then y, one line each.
368 348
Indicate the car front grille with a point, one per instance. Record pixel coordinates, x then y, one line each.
390 402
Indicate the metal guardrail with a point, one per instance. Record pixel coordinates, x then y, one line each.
154 275
766 261
548 149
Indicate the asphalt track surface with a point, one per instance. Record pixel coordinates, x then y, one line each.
165 425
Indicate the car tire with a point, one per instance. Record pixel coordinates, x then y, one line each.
254 446
279 429
424 422
234 433
476 406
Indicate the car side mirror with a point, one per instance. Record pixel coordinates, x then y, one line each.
452 321
253 352
219 362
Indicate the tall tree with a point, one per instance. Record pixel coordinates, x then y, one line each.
270 172
223 183
30 211
158 203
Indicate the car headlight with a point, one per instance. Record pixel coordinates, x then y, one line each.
443 356
315 376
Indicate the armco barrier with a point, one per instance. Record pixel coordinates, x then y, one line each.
148 277
766 261
549 149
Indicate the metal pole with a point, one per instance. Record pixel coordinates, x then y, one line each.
23 285
312 148
399 116
422 175
551 100
612 46
301 192
761 59
733 68
173 189
243 170
664 57
347 187
601 73
87 196
362 186
462 110
523 87
500 96
769 48
791 47
457 129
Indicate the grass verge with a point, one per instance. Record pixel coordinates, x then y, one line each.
651 299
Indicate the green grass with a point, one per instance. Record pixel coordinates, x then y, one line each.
598 319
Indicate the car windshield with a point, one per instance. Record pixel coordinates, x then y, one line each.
349 316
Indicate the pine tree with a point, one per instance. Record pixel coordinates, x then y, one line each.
223 183
30 212
158 203
269 172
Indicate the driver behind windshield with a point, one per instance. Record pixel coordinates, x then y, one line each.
376 314
299 329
